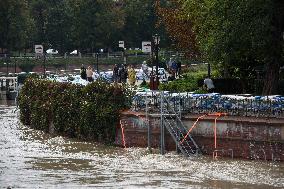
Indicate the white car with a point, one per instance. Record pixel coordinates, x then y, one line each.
51 51
74 52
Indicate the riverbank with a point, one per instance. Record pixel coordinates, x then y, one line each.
235 137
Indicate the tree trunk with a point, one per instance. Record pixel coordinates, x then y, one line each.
271 78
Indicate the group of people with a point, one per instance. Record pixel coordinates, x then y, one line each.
122 73
87 74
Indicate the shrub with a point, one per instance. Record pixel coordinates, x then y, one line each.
90 112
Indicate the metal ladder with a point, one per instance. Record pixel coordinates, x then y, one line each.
171 120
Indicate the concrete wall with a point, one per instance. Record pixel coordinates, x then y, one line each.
249 138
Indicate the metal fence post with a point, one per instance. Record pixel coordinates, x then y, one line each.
162 126
148 124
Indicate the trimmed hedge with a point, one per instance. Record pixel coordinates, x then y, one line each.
90 113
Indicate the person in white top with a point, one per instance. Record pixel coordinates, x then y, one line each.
208 84
89 74
145 69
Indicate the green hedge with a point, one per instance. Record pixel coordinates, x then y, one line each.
90 112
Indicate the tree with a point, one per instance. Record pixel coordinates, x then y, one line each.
240 32
14 24
173 17
96 23
139 22
39 12
58 25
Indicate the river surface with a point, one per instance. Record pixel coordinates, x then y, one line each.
33 159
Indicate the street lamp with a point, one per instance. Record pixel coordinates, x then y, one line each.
6 67
15 71
97 57
44 66
156 39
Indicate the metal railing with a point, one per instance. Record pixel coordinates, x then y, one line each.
9 84
172 121
253 106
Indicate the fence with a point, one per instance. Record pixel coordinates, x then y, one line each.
236 105
8 83
118 54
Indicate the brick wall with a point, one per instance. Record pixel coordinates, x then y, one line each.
249 138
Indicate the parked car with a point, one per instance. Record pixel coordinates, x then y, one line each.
75 52
51 51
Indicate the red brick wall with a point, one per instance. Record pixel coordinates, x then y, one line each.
247 138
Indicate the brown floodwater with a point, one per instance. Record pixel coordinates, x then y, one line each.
33 159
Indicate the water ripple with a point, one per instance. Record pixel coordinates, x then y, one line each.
33 159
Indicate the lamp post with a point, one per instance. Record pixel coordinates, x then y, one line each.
15 71
156 39
97 57
209 70
44 66
6 68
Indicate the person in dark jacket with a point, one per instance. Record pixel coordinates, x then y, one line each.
115 73
123 73
83 72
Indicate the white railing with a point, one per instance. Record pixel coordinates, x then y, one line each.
9 84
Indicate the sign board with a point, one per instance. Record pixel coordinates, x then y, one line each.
38 49
121 44
146 46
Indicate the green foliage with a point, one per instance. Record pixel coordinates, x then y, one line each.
144 84
140 20
90 112
14 24
66 25
200 91
240 35
189 80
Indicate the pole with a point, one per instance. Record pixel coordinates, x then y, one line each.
148 124
157 67
44 69
124 57
162 126
15 68
97 56
7 69
209 70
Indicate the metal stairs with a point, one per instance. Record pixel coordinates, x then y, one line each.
171 120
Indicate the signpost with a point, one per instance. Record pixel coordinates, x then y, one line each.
38 49
146 46
121 44
40 53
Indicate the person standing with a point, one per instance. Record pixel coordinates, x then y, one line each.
174 68
123 73
169 64
131 76
115 73
83 72
89 73
209 85
145 70
178 68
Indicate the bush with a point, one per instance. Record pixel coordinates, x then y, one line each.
188 83
90 112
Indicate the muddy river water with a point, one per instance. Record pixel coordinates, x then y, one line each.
33 159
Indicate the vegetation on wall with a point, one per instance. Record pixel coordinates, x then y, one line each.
90 113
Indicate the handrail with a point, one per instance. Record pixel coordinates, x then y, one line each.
179 125
8 78
178 118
